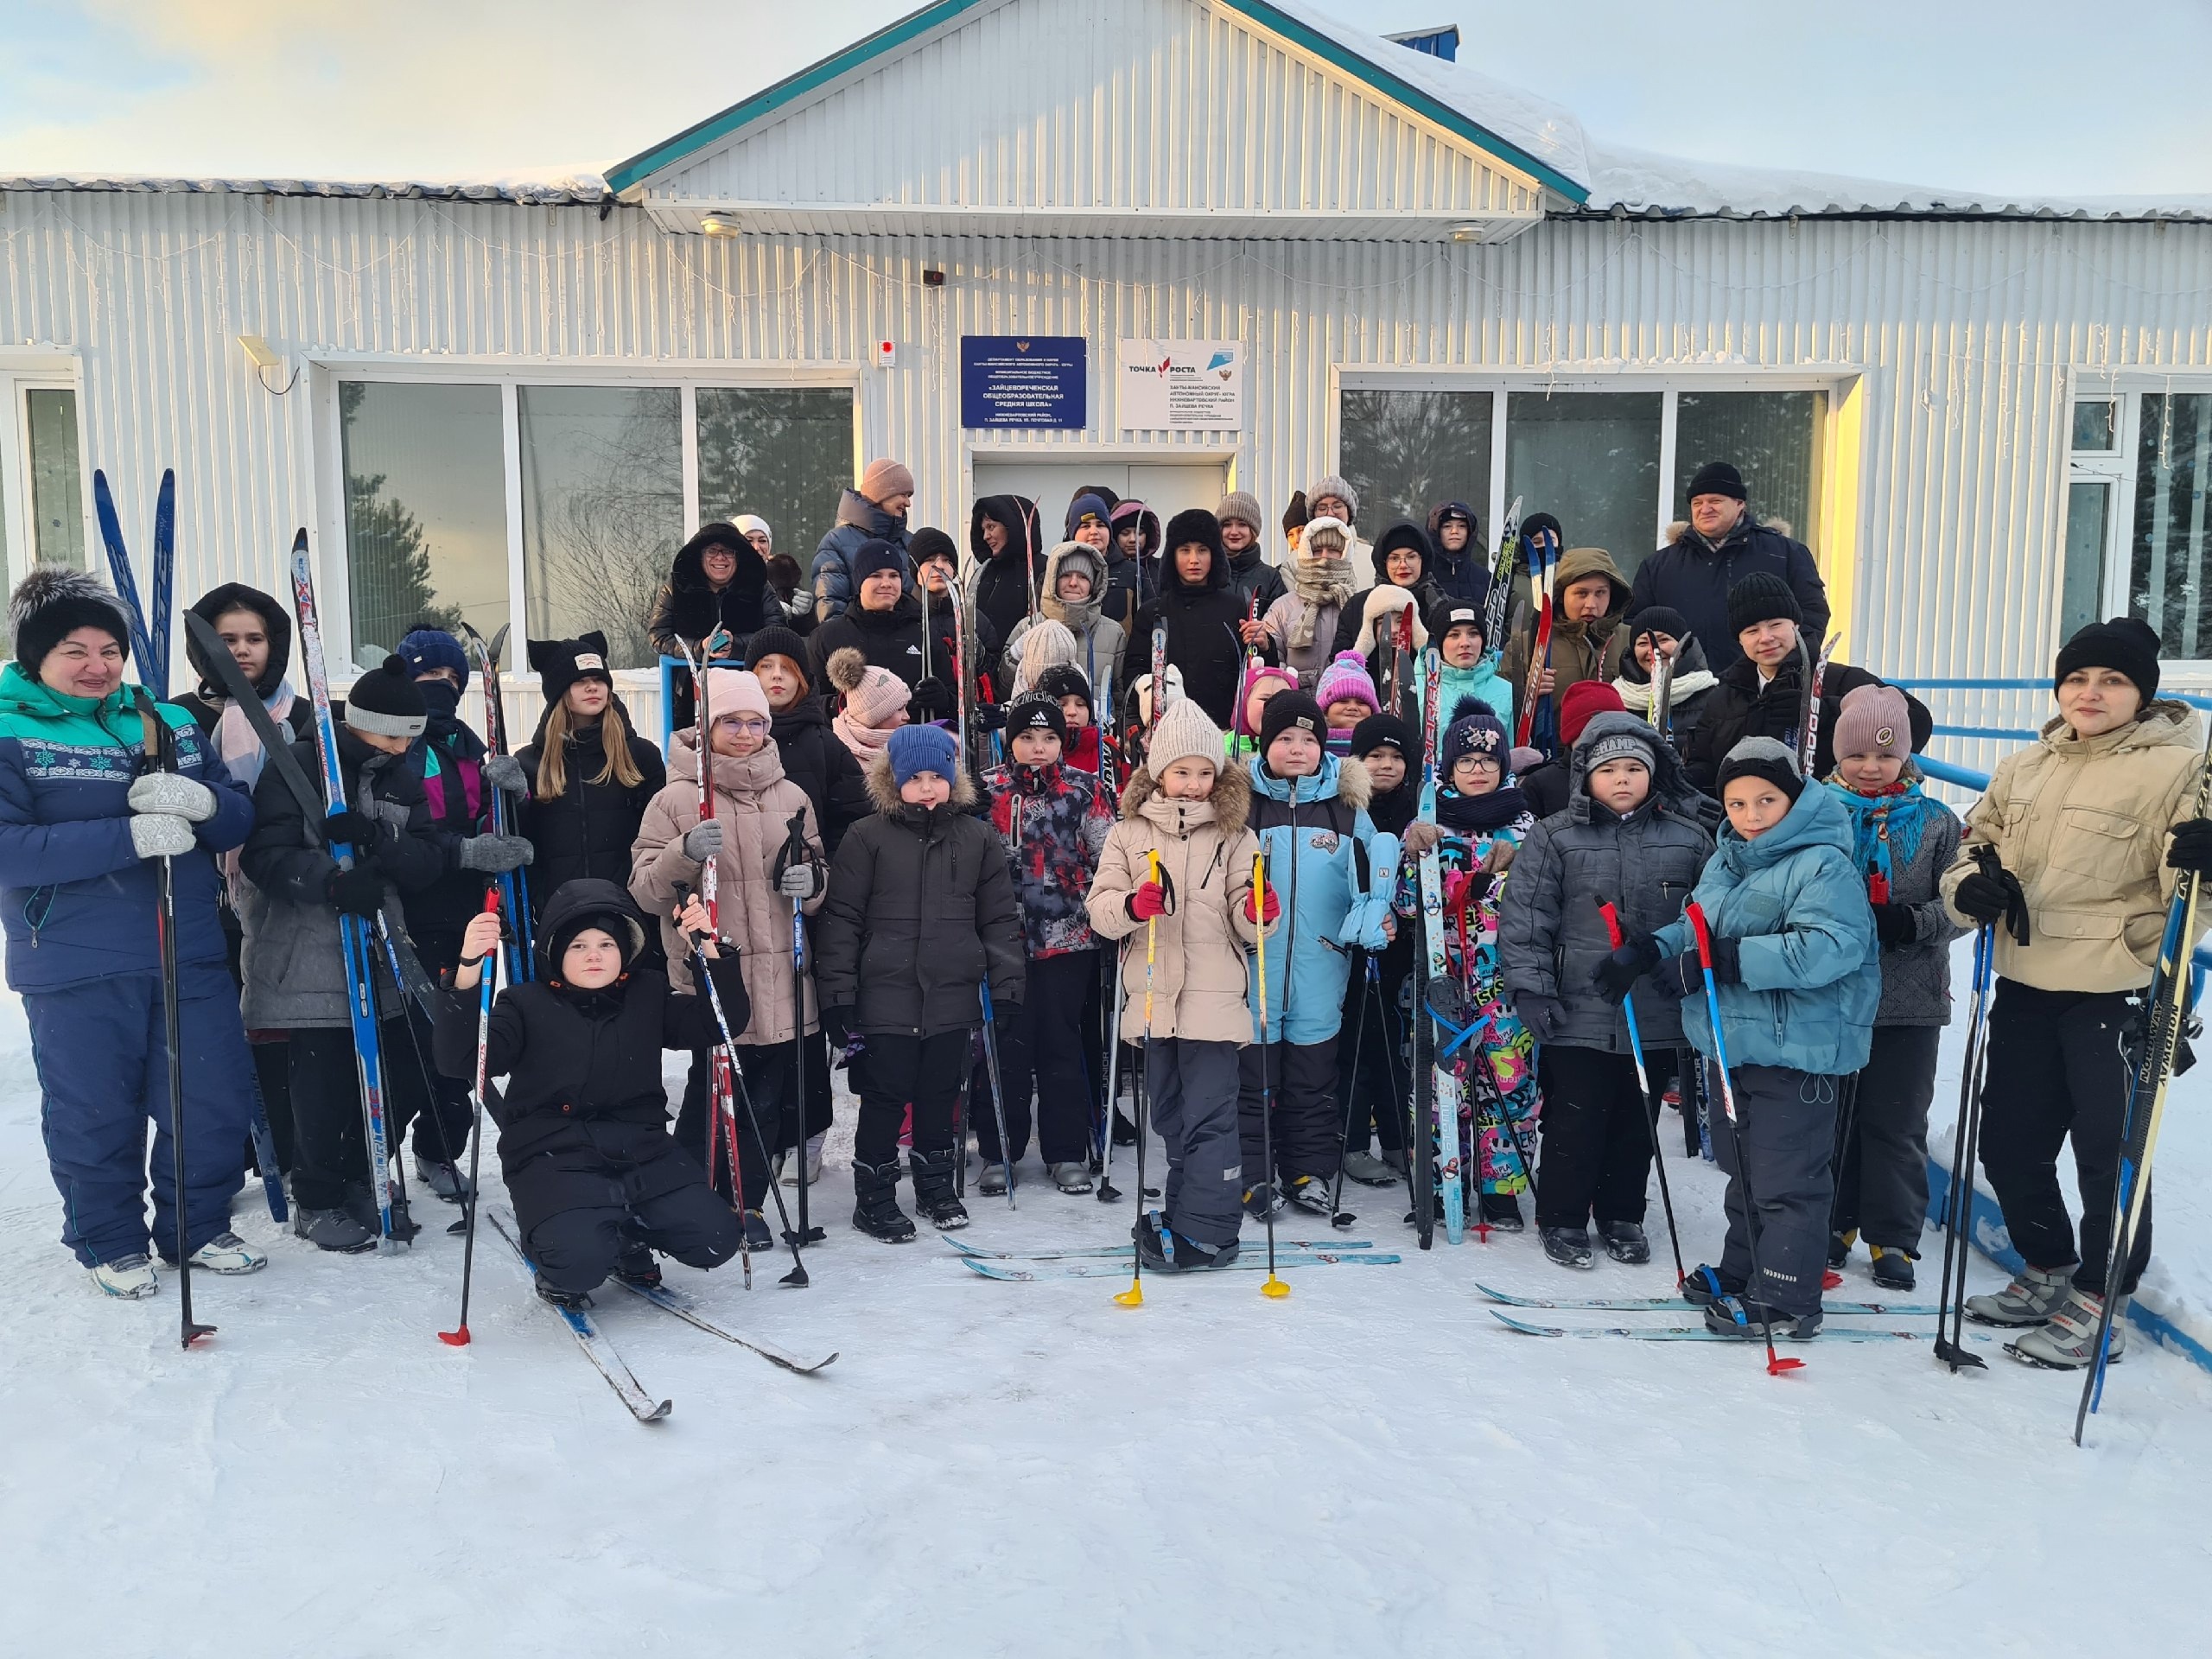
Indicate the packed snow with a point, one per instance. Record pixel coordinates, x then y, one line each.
1373 1465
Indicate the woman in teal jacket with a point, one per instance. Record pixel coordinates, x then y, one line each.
1796 962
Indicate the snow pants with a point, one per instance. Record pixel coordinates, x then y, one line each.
330 1146
769 1083
1192 1089
1370 1061
1041 1053
1881 1184
1596 1139
894 1071
1307 1118
103 1069
2059 1069
1784 1152
575 1249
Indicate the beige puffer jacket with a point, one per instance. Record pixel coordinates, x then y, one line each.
1201 966
2083 825
754 802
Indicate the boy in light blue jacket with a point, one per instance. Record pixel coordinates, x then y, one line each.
1796 959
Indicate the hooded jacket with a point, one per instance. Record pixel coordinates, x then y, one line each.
1694 576
860 521
689 607
208 701
755 802
1811 975
1689 693
1916 974
1253 575
1332 872
1099 639
1190 967
1130 582
920 908
892 639
1579 650
1353 619
1053 820
2083 822
585 830
1741 707
1551 934
1000 587
1465 574
817 759
1203 620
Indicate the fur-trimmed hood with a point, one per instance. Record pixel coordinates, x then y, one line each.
883 792
1231 796
1382 606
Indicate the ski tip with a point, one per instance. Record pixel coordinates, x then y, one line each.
299 541
656 1413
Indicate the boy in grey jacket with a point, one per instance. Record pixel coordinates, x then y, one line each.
1624 838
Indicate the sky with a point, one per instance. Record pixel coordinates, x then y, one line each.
2035 97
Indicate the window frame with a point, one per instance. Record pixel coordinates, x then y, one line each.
2116 467
20 373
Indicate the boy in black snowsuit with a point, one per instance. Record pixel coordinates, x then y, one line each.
1371 1053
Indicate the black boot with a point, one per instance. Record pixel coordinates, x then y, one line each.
360 1204
638 1266
875 1206
933 1194
573 1299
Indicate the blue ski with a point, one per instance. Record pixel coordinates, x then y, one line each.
1255 1262
1675 1304
126 582
1696 1332
589 1338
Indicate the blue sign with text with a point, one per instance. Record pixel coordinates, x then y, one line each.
1012 380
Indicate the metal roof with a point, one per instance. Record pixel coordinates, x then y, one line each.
577 190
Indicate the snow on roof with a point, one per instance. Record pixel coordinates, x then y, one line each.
553 189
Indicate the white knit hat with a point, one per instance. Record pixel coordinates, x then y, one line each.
749 521
1183 733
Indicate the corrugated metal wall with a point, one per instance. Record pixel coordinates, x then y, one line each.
1965 334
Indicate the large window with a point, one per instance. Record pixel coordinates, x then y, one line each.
1408 451
1590 459
1773 438
783 453
42 501
2173 522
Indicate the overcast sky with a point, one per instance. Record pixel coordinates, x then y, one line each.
2031 96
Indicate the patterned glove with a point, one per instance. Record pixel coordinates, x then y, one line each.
161 835
174 794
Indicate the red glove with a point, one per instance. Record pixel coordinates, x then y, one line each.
1148 901
1261 906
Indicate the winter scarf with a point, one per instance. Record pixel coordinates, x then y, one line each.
1883 825
1636 697
1320 584
239 745
1479 815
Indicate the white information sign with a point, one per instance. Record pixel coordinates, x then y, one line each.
1182 385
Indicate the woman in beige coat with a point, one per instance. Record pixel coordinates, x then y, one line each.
760 871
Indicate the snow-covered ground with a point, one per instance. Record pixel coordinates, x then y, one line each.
1374 1466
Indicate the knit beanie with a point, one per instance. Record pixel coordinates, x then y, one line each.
873 696
1618 735
746 523
386 701
1536 522
1047 645
1334 484
561 663
1762 757
1291 710
1874 721
922 749
1086 509
1346 676
778 642
871 556
1076 556
2123 644
1475 729
1257 674
1243 507
1456 613
1658 619
1183 733
736 691
1035 713
930 543
1066 680
1524 759
428 649
1384 732
1293 516
1322 529
1583 700
1716 478
1762 597
881 480
50 604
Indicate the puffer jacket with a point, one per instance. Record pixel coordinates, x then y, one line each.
1333 872
860 521
999 587
920 909
1740 706
755 804
1200 965
1693 575
588 829
2083 822
1921 839
816 758
1551 934
1053 820
1579 650
1204 640
1810 963
1131 579
688 608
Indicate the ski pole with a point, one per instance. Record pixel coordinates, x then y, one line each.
998 1093
1108 1192
1134 1296
1274 1287
1652 1100
1343 1126
1847 1125
488 972
1775 1365
795 851
1950 1309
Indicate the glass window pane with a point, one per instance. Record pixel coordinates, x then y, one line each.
426 509
1406 452
2093 426
57 483
2173 523
1590 459
2088 509
602 510
781 452
1773 438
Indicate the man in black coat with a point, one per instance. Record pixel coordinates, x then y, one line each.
1204 616
884 623
1723 546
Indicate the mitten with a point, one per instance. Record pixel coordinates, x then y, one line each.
173 793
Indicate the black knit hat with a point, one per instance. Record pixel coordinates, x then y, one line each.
1384 732
50 604
386 701
1537 521
1761 597
1450 613
779 642
561 663
1716 478
589 901
1066 680
930 543
1288 709
1659 618
1762 757
871 556
1034 711
2123 644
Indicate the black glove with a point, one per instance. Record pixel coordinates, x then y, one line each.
838 1027
1684 975
1894 926
356 829
2191 848
1545 1016
355 892
1987 896
988 716
933 700
1635 957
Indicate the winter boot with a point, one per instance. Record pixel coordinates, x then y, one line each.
574 1300
1311 1194
361 1204
1892 1268
1070 1178
933 1194
332 1230
1840 1249
813 1161
2032 1297
1125 1133
1165 1251
1369 1170
226 1253
1731 1316
757 1236
1625 1241
1569 1246
1503 1212
130 1277
638 1266
1706 1285
2068 1341
443 1179
875 1207
1262 1201
991 1183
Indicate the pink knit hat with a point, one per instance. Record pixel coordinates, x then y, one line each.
1346 676
873 696
883 479
1875 721
736 691
1256 674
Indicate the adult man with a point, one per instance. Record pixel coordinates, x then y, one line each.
1722 546
883 622
874 513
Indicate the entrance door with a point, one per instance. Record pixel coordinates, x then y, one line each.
1166 486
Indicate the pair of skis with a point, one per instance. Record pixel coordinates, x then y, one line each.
1544 565
1808 726
1500 599
1104 1261
1436 1103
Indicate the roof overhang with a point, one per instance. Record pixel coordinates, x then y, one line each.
722 219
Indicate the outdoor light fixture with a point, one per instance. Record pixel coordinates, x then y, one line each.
257 352
1467 233
715 225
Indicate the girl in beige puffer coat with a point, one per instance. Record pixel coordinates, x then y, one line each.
757 881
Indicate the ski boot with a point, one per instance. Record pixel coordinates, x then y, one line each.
2032 1297
1731 1316
1892 1267
1311 1194
875 1206
1125 1133
1070 1177
361 1204
1706 1285
757 1236
1625 1241
332 1230
991 1183
573 1301
1501 1210
225 1253
130 1277
1165 1251
1569 1246
934 1193
1262 1201
1369 1170
638 1266
2069 1341
445 1180
1840 1249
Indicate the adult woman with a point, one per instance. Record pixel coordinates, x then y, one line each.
715 597
590 777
